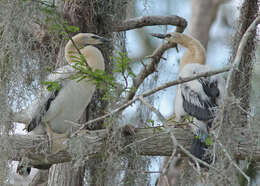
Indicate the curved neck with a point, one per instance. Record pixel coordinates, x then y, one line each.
93 55
195 53
70 50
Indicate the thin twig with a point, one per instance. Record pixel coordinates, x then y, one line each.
157 54
149 69
166 125
148 93
230 159
163 119
186 79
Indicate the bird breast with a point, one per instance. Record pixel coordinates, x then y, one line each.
71 102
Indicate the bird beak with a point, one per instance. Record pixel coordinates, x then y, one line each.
164 36
103 40
160 36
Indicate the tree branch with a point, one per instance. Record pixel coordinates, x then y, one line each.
150 141
150 21
175 141
157 55
147 70
148 93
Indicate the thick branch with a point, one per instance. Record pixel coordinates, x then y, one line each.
152 142
149 69
150 21
157 54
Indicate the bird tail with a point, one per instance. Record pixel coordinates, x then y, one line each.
199 147
32 125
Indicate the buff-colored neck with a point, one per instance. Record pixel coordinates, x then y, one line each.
70 51
92 55
195 53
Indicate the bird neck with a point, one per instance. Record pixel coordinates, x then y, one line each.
194 54
70 51
92 55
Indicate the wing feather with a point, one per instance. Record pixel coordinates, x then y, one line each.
62 75
42 109
194 105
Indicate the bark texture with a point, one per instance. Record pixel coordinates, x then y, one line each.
149 142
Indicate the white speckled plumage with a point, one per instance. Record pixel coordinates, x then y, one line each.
193 92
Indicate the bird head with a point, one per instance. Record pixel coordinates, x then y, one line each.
83 39
173 37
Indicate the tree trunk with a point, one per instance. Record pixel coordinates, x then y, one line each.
203 15
237 107
94 17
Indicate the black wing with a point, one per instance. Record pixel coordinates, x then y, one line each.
37 119
194 105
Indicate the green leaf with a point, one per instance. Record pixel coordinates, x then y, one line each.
122 64
51 85
72 28
151 122
208 141
48 20
197 137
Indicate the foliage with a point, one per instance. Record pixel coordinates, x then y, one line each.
208 141
98 77
56 23
122 66
51 85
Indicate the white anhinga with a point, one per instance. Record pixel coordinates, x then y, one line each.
73 96
198 98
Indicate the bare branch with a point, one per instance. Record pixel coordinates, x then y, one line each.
150 21
148 93
157 54
151 141
149 69
176 143
230 159
186 79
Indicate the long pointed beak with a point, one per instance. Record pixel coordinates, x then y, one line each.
160 36
102 39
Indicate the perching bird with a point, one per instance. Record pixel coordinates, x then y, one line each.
198 98
70 100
